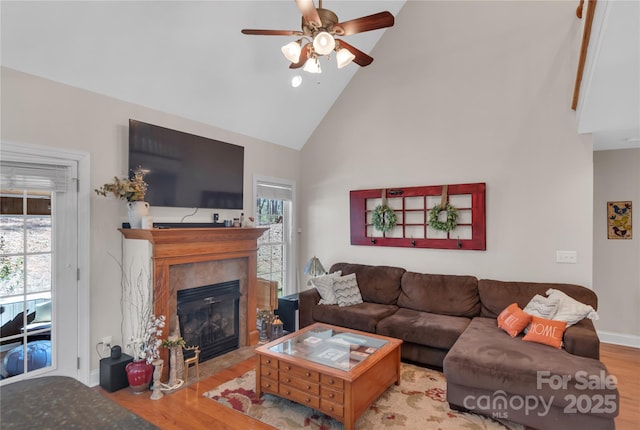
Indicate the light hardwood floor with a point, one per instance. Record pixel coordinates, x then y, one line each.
189 409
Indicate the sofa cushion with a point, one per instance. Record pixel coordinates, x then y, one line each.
363 316
437 331
440 294
378 284
487 358
497 295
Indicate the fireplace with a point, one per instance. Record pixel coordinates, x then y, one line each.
209 317
184 258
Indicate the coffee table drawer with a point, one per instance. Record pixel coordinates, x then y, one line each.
299 396
299 372
269 372
331 394
304 385
333 409
270 385
330 381
266 361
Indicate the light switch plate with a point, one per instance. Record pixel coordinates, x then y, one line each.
566 257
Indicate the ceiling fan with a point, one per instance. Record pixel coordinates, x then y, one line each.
317 38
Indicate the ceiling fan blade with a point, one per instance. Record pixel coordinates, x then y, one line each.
366 23
272 32
309 12
361 59
304 56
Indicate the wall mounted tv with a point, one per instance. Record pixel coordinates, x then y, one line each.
184 170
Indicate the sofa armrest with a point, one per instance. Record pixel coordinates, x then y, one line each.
581 339
307 301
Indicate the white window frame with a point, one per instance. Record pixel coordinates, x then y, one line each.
292 281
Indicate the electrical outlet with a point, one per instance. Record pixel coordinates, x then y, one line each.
106 341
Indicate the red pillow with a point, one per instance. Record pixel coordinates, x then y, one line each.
513 320
546 331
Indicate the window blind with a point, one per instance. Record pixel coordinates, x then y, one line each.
271 191
16 175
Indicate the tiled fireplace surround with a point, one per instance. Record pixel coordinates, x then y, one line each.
192 257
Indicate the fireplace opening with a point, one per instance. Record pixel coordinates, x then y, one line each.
209 318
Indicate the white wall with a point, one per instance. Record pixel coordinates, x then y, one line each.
463 92
616 272
39 111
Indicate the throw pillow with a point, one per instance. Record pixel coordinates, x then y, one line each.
346 290
546 331
570 310
513 320
542 307
324 285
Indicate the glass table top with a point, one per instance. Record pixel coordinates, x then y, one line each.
333 348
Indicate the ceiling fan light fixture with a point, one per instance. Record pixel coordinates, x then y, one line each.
312 66
292 51
323 43
344 57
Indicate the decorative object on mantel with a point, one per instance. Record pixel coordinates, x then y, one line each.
444 206
133 190
383 217
413 207
619 223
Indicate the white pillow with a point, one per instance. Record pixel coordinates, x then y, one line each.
570 310
324 285
542 307
346 290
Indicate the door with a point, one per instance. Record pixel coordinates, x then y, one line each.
38 267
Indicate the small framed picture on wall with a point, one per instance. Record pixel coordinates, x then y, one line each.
619 220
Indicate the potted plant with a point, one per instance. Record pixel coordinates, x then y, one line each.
133 190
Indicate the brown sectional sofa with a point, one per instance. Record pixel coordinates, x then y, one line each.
449 321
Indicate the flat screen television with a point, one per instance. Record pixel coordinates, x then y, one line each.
185 170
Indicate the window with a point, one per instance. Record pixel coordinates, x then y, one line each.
274 209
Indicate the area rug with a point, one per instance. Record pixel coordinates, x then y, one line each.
418 402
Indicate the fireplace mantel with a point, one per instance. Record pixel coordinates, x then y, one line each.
176 246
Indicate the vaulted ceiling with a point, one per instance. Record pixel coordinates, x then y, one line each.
190 59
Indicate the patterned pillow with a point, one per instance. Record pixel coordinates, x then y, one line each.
570 310
346 290
542 307
324 285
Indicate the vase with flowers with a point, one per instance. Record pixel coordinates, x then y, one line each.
145 349
133 190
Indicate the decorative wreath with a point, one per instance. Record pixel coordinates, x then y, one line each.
384 218
449 224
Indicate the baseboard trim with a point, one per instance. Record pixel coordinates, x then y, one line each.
94 378
619 339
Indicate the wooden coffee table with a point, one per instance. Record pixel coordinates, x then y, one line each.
335 370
